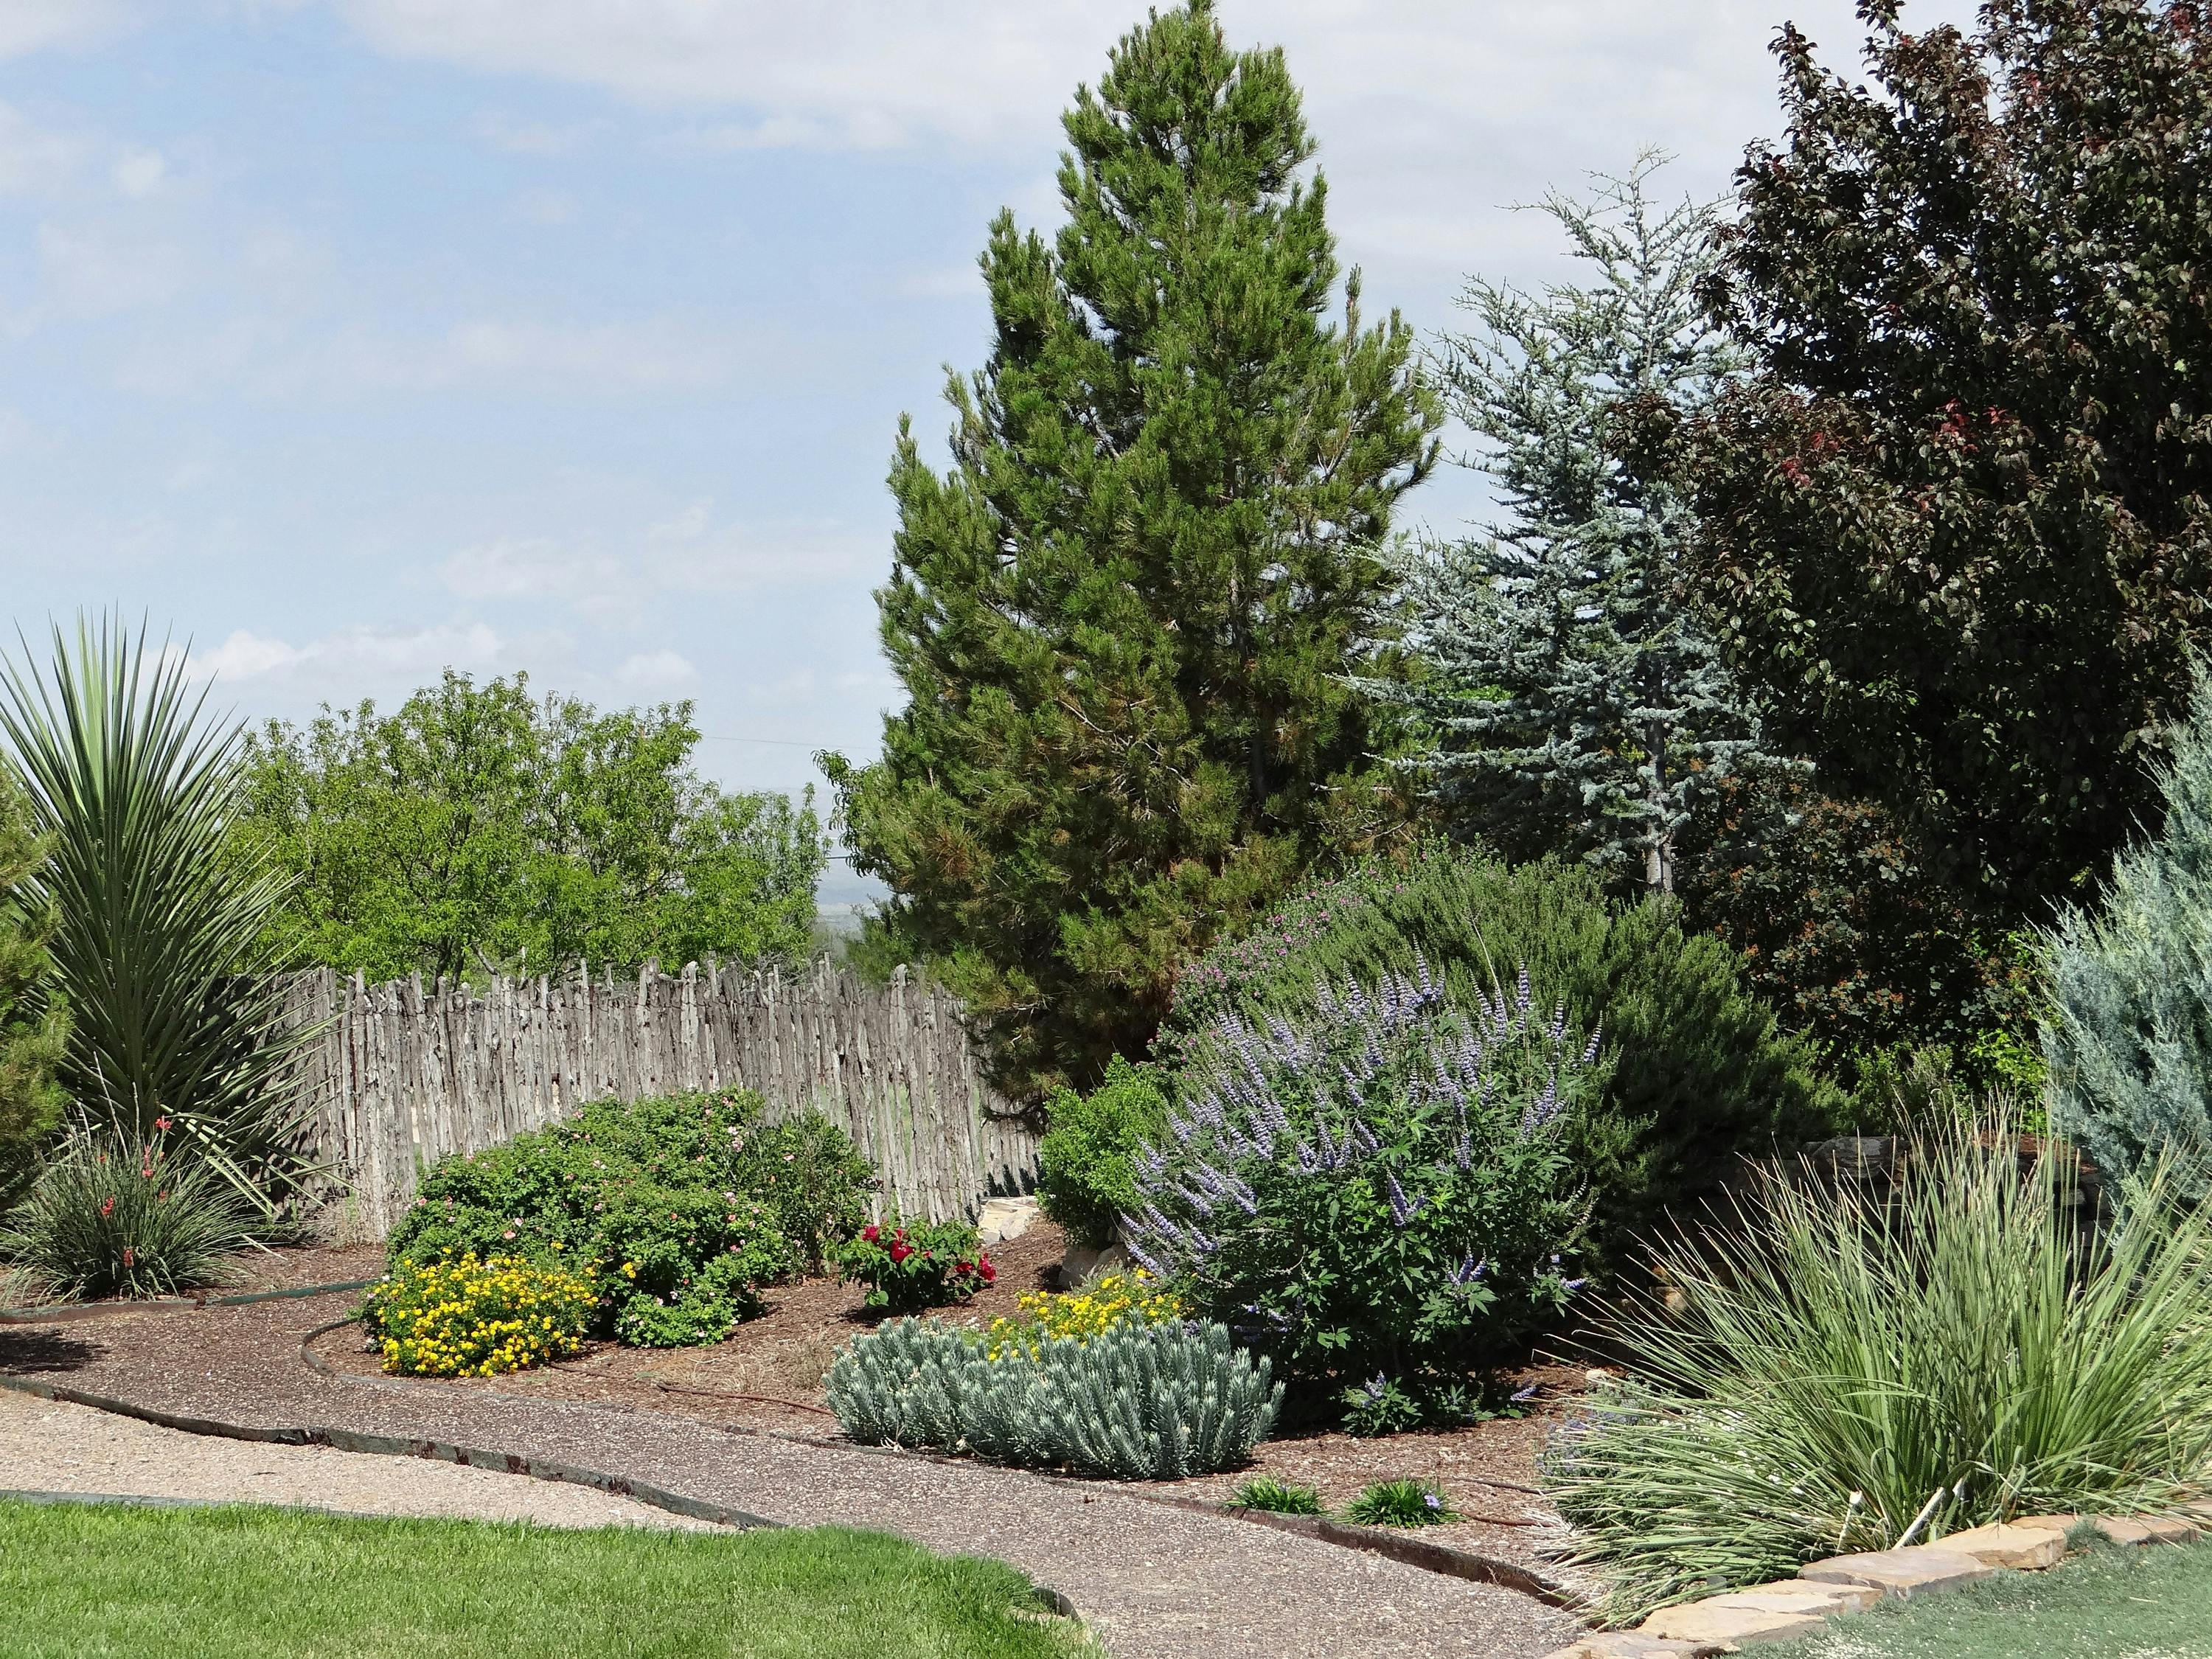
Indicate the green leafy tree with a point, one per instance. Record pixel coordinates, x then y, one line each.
2129 1038
1570 700
33 1027
477 825
1957 526
1123 620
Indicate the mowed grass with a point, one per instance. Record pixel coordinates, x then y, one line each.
241 1582
2115 1603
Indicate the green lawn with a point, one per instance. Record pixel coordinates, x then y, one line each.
2115 1603
80 1582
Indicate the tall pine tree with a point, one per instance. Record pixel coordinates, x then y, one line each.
1124 619
1569 697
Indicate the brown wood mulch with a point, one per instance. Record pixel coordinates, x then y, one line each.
769 1375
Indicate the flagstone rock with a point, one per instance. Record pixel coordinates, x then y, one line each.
1798 1596
2023 1548
1730 1628
1634 1645
1917 1569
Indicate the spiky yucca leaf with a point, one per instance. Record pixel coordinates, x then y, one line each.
174 1013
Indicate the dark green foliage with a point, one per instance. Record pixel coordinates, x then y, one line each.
1135 1402
1086 1179
1706 1073
1844 929
2128 1036
1124 619
664 1206
1379 1406
1958 524
1376 1185
159 944
33 1026
909 1265
110 1216
1404 1503
479 826
1265 1493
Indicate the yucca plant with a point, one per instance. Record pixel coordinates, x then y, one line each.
175 1014
1840 1362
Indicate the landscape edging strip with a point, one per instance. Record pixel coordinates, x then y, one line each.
65 1312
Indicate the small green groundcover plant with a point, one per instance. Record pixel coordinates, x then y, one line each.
1271 1496
1135 1402
111 1215
677 1211
1403 1503
463 1317
907 1265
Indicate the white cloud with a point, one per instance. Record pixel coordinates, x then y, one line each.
657 671
139 172
95 271
347 659
544 207
28 26
33 158
688 551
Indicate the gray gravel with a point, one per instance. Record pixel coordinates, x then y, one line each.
1153 1583
50 1446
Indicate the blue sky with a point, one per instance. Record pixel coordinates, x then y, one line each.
351 340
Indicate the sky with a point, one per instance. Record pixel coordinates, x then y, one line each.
353 339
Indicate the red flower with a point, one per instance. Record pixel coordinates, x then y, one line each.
161 1122
963 1266
899 1252
871 1233
107 1206
130 1257
990 1273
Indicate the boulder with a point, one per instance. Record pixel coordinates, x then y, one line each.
1002 1220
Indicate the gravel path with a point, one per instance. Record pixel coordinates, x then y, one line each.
1153 1583
49 1445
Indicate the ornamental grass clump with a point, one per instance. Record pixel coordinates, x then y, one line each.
1267 1495
112 1215
1135 1402
1404 1503
1837 1355
1381 1188
470 1318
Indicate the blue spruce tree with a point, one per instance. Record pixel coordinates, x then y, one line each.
1564 696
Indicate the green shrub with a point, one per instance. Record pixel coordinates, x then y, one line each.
1086 1178
2129 1035
1712 1075
110 1216
1269 1496
648 1202
808 1172
1135 1402
909 1265
1401 1504
1836 1355
469 1318
1379 1186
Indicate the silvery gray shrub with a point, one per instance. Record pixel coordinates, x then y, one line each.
1153 1402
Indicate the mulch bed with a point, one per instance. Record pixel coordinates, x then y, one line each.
769 1375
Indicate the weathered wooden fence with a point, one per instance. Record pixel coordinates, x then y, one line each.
402 1074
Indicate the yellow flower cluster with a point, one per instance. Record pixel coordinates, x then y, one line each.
1110 1300
463 1317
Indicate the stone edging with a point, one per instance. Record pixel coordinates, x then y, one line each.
1409 1551
1799 1606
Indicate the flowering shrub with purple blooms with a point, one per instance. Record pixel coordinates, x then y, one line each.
1384 1189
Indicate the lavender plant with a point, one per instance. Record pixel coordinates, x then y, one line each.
1384 1193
